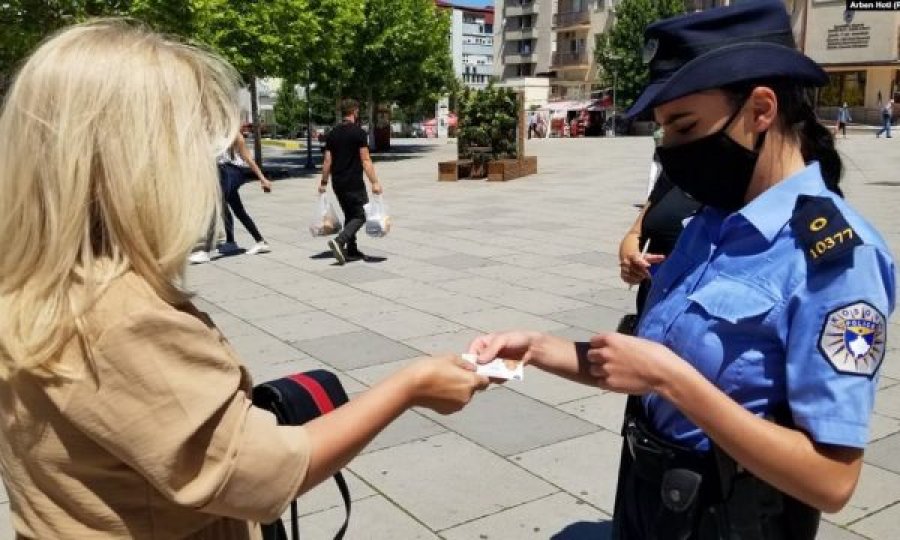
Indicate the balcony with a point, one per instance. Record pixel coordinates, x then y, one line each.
571 19
572 60
519 58
519 34
521 7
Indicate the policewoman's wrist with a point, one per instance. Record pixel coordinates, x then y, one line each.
675 379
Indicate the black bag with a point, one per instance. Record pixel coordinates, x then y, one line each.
295 400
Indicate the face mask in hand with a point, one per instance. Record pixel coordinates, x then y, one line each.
714 170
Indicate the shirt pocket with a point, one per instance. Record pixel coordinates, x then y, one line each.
733 301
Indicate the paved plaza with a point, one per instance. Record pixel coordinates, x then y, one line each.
535 459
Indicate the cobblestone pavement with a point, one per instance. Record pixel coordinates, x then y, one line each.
536 459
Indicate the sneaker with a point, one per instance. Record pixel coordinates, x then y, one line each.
228 247
338 251
259 247
355 255
199 257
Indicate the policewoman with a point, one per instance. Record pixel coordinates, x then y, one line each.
759 349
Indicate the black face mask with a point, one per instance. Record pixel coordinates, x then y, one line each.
714 170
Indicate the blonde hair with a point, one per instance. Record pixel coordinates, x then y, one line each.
110 133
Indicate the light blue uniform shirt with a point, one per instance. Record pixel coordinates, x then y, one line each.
740 301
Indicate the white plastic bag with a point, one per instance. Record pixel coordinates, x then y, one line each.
325 221
378 222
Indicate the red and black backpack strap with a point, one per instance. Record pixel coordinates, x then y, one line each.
295 400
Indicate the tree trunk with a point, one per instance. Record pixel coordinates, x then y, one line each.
254 117
371 102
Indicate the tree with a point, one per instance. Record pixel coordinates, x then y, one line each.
260 38
619 52
331 68
401 53
290 110
26 23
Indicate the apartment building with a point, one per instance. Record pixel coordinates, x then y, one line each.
524 38
471 43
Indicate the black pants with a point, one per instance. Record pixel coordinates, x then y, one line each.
354 216
230 180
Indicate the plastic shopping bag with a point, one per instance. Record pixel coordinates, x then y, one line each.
325 221
378 222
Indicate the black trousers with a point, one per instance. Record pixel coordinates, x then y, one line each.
351 203
231 178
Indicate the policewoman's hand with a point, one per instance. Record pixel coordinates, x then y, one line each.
631 365
444 384
510 345
635 267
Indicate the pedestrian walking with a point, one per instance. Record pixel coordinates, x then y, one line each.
887 113
757 355
126 413
843 118
346 159
231 178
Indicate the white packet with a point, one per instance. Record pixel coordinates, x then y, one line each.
498 368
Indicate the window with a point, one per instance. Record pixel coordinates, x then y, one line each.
849 86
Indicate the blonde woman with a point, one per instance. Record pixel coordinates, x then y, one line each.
124 413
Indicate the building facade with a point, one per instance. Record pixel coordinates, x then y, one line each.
471 43
859 50
524 39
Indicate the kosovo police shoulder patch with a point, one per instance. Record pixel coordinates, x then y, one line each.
822 230
853 339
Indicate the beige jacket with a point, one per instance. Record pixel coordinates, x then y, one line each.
157 440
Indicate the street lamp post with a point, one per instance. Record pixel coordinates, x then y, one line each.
614 105
310 164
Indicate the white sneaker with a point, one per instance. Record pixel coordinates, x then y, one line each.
199 257
259 247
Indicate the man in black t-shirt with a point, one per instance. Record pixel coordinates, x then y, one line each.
346 159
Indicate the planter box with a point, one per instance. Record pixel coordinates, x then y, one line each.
451 171
509 169
529 165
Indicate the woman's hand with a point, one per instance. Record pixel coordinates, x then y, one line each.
266 184
635 266
631 365
444 384
509 345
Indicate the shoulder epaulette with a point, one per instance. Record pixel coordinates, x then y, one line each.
821 229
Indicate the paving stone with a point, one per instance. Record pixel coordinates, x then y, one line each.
353 274
446 480
559 516
596 319
617 297
537 302
586 467
373 518
410 323
218 292
883 453
305 326
447 303
262 371
882 426
829 531
6 528
530 260
355 350
510 423
262 307
310 288
605 409
886 382
410 426
551 389
500 319
881 526
877 489
887 402
459 261
231 326
326 495
448 342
